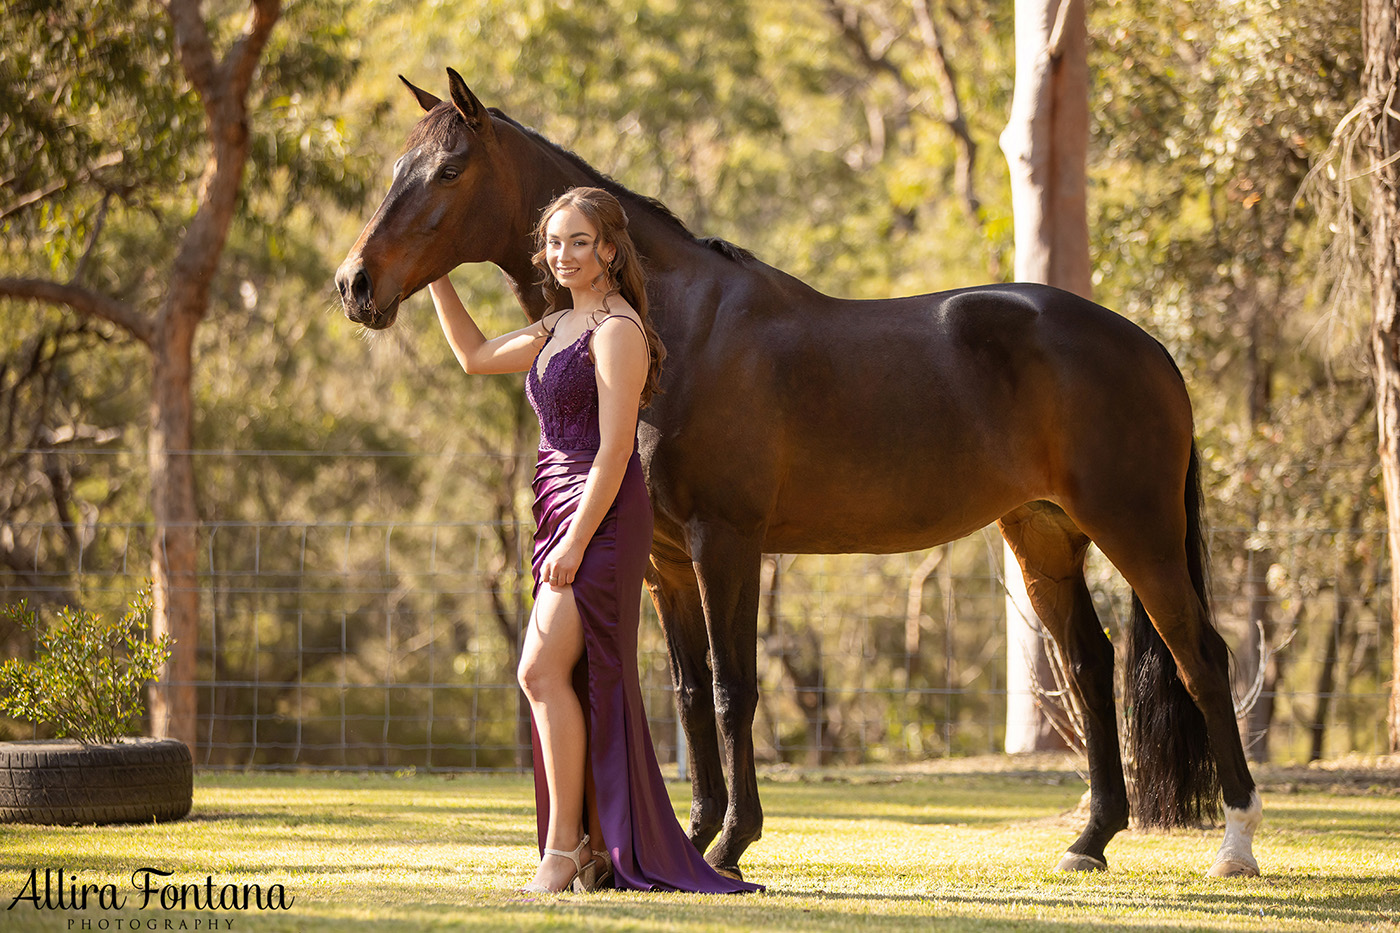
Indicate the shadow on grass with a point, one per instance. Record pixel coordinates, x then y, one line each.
1254 899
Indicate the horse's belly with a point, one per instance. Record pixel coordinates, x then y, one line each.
889 516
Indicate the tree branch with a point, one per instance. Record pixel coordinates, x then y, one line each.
223 89
195 50
242 61
876 58
952 107
848 20
84 301
34 197
98 224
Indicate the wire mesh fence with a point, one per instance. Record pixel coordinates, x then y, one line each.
392 645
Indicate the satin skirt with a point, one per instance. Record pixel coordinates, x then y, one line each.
649 850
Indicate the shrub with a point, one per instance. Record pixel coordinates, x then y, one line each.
88 674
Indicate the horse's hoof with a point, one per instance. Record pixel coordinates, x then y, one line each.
1075 862
730 871
1233 868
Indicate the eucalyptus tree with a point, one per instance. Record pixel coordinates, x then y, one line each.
129 134
1378 126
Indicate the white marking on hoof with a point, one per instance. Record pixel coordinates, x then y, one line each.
1073 862
1229 868
1236 856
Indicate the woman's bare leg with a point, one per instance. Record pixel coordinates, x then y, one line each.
553 645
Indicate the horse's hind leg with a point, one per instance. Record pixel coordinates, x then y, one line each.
1051 552
1202 661
1154 558
676 593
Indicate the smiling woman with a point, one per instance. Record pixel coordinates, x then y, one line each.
596 776
592 360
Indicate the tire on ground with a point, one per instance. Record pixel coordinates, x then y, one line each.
61 781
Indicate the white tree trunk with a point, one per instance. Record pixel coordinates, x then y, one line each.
1380 36
1046 144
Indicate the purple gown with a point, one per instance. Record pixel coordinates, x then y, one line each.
649 850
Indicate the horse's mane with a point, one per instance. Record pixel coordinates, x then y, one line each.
441 126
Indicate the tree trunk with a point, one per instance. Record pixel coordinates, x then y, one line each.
914 615
174 555
1380 31
1327 676
800 654
1046 145
1260 639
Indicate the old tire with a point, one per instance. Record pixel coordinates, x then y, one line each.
61 781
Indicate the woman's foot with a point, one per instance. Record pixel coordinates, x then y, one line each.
596 875
558 870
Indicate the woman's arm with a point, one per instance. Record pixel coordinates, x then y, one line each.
621 362
509 353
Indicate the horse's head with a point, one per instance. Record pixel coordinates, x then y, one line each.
445 206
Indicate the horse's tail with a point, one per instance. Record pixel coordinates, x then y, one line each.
1175 779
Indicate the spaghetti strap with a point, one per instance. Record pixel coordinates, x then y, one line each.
593 331
624 317
549 331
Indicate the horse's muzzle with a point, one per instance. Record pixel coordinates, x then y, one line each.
357 296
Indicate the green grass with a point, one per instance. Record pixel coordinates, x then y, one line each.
958 846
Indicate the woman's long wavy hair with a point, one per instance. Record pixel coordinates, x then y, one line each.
623 276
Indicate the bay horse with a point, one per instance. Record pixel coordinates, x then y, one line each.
793 422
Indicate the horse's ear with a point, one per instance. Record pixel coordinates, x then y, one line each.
467 105
425 100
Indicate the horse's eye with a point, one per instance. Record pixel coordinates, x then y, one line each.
449 172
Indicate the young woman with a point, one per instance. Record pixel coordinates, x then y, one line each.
592 361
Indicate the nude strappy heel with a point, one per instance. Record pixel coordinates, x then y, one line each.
594 876
575 856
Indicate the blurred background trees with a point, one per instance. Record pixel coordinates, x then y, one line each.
134 128
852 143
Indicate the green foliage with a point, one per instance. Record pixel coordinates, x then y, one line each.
102 145
88 673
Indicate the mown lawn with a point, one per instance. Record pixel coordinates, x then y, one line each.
956 846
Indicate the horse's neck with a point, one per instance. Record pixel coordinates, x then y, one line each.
521 275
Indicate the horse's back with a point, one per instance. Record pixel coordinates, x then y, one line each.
896 424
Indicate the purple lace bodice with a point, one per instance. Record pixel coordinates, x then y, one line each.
565 398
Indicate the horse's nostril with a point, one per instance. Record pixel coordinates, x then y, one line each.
353 283
360 287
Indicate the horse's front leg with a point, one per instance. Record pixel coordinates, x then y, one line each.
676 593
727 566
